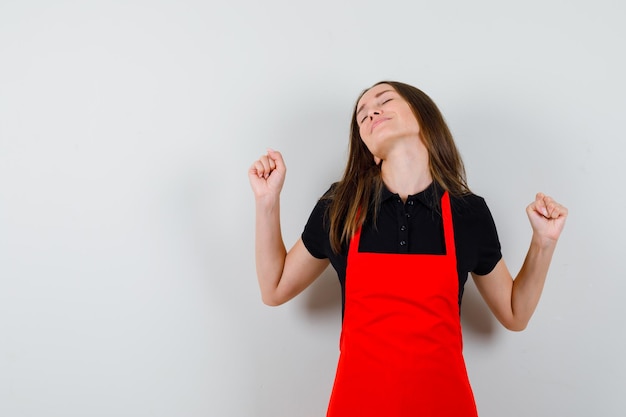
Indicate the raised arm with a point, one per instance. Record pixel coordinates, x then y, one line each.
513 301
282 275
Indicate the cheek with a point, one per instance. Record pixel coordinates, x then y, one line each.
414 124
363 135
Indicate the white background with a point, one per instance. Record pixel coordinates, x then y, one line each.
127 283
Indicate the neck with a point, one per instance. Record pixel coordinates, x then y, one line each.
406 173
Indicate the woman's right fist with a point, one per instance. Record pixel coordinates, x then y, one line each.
267 174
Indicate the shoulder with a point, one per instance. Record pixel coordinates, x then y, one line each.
471 214
468 205
475 233
324 201
330 193
315 234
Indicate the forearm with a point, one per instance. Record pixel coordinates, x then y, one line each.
270 251
513 301
529 283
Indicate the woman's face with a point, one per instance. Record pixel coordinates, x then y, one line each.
385 119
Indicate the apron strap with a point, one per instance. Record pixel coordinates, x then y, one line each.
448 227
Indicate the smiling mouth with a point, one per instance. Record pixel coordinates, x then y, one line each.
376 123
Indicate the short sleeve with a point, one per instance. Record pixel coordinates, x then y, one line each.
316 231
489 250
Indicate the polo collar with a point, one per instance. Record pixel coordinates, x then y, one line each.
429 197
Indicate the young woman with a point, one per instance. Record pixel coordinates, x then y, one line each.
403 231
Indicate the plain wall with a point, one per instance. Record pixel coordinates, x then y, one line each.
127 281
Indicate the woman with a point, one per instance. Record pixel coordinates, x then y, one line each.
402 230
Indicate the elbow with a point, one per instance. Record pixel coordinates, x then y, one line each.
271 301
516 326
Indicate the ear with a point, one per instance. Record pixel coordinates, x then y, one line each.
377 160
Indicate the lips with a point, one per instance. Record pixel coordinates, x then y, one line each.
377 122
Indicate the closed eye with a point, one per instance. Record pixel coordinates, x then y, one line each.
384 102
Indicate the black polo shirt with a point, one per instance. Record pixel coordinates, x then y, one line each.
415 227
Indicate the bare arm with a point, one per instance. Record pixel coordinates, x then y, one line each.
282 275
513 301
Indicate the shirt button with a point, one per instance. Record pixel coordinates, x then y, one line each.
408 215
402 243
403 228
411 203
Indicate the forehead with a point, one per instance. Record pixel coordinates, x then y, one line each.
373 92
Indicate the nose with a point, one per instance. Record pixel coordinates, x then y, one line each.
374 112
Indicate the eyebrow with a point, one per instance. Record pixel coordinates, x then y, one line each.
376 96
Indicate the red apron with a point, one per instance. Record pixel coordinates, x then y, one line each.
401 344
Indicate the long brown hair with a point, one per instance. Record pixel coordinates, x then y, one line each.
358 192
